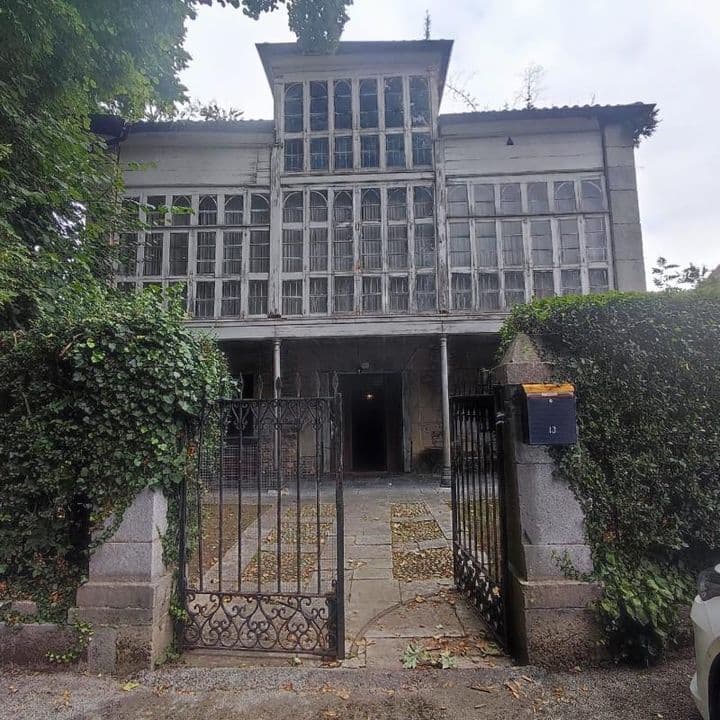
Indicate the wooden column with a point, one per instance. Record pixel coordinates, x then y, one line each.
445 479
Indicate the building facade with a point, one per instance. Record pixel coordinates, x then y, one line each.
361 232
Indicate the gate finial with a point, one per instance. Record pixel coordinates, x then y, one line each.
278 386
259 385
298 383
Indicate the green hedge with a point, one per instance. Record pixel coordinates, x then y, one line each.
647 466
96 401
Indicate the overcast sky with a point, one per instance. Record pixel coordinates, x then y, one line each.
604 51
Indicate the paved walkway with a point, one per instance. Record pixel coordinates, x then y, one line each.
399 576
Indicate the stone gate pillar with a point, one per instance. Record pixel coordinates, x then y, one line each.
551 622
127 596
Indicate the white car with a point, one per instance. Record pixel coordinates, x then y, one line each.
705 685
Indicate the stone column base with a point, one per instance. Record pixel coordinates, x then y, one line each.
131 624
553 621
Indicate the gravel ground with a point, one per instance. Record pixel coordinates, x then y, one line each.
313 693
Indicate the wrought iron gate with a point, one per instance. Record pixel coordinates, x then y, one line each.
478 505
263 528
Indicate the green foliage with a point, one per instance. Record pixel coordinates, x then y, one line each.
647 466
97 401
83 634
415 655
670 275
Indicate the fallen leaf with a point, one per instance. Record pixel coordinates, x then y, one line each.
130 685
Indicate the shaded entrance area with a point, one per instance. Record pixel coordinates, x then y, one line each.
373 421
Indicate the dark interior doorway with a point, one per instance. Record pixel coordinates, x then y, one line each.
373 421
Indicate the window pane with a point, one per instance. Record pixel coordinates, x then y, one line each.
419 101
595 239
569 242
127 254
343 207
424 245
592 195
371 248
318 206
292 250
570 282
205 262
565 196
541 239
319 154
394 102
234 209
293 155
514 289
205 299
292 297
397 204
259 210
423 203
343 105
369 151
318 295
318 249
461 291
598 280
368 104
372 294
343 153
232 253
397 247
207 214
537 197
421 149
293 207
294 107
398 294
260 251
395 150
510 199
459 244
230 304
425 295
486 237
457 201
178 253
318 105
257 297
343 292
343 248
489 287
370 205
512 242
181 203
484 200
155 214
152 264
543 283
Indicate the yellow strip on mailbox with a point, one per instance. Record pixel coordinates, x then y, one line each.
549 389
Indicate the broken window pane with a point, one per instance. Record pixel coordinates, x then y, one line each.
178 253
395 150
541 240
419 101
292 250
425 294
318 105
368 104
205 261
343 105
369 151
372 294
257 297
293 107
232 252
512 242
394 115
292 297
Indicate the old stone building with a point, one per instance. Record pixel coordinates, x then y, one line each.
362 232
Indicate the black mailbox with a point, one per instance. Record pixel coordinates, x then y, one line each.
550 414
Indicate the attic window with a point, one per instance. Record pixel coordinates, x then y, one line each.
368 104
343 105
234 209
181 203
318 106
293 108
394 110
565 196
207 214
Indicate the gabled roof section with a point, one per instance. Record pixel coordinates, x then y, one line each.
640 117
278 56
229 126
